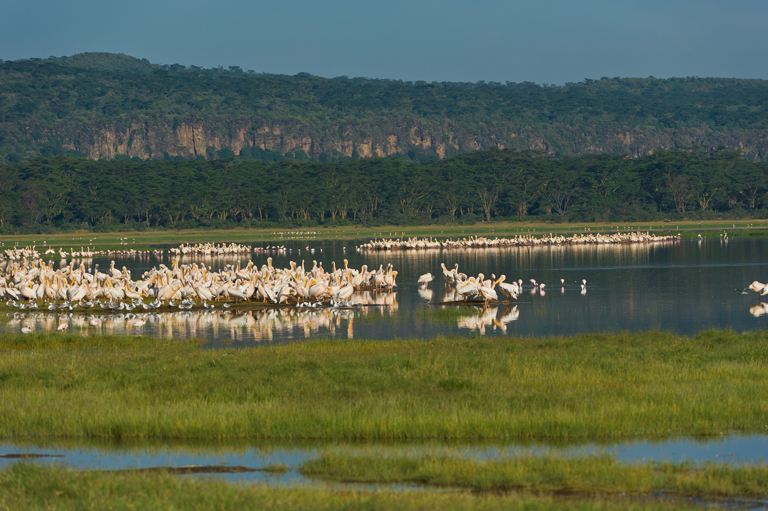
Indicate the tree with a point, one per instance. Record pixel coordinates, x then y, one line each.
681 190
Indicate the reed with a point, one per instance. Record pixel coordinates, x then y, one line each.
590 386
594 475
29 487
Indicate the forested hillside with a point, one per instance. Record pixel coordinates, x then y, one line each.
65 192
108 106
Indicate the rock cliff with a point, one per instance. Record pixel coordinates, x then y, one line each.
195 138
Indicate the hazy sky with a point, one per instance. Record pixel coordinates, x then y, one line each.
544 41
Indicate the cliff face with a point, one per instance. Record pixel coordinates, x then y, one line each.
192 138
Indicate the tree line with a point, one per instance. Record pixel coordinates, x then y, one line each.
65 192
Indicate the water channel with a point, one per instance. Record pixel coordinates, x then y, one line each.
734 449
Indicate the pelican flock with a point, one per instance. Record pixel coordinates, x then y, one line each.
479 289
210 249
480 242
24 283
476 288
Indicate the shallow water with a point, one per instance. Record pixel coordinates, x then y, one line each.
684 287
733 449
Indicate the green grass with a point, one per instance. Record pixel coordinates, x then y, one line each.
595 475
27 487
587 386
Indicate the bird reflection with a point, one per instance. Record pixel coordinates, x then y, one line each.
488 318
426 294
263 324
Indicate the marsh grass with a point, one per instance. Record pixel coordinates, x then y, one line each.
48 341
25 487
590 475
591 386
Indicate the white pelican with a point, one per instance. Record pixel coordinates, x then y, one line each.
507 290
344 293
317 290
425 279
467 289
448 276
488 292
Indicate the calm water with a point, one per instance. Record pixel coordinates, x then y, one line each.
104 456
685 287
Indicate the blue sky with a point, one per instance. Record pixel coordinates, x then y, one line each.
545 41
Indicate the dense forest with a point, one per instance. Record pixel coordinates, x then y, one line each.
109 107
66 192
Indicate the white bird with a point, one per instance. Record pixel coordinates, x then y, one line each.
507 290
425 279
63 326
448 275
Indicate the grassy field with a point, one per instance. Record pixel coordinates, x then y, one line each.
587 386
150 239
596 475
27 487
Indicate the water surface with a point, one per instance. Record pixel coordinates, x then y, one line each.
685 287
731 449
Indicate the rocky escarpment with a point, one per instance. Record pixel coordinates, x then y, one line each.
152 138
107 106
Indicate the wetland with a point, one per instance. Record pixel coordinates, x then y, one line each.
658 371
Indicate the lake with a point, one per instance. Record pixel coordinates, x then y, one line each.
686 287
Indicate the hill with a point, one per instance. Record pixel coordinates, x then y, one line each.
108 106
